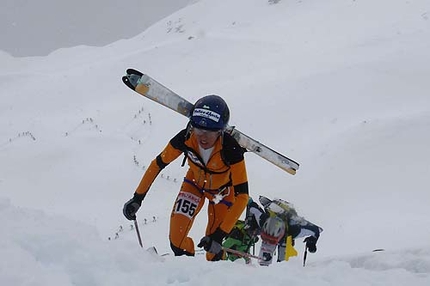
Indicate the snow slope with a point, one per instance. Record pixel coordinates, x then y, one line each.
340 86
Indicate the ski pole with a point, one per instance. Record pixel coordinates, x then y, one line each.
240 253
136 226
305 256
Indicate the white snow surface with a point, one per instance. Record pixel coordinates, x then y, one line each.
340 86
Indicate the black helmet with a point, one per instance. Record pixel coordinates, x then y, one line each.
210 112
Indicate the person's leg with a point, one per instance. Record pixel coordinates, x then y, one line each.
271 233
282 247
216 214
187 205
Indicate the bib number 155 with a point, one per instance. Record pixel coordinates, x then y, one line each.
186 204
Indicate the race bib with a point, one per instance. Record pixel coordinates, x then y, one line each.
186 204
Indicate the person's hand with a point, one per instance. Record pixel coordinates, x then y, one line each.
212 243
311 243
132 206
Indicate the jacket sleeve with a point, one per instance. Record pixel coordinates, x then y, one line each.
300 227
169 154
240 185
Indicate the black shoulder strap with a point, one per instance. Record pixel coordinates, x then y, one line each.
232 152
186 136
178 142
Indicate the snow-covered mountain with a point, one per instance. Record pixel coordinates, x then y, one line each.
36 28
340 86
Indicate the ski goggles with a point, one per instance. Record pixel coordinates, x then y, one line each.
200 131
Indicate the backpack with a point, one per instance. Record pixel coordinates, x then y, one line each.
239 239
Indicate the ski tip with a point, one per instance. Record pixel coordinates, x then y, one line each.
132 78
126 81
131 71
152 249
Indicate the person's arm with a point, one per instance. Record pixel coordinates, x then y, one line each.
241 190
170 153
303 228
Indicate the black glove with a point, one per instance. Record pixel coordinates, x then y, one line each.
212 243
132 206
311 243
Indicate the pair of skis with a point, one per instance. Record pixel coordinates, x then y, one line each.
150 88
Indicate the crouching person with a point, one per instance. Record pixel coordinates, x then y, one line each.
278 225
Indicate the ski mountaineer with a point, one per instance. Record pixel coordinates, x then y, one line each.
278 225
216 172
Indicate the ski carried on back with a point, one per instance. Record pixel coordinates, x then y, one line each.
150 88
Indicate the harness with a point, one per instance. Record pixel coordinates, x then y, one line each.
218 195
189 153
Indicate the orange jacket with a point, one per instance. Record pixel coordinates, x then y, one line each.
225 167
